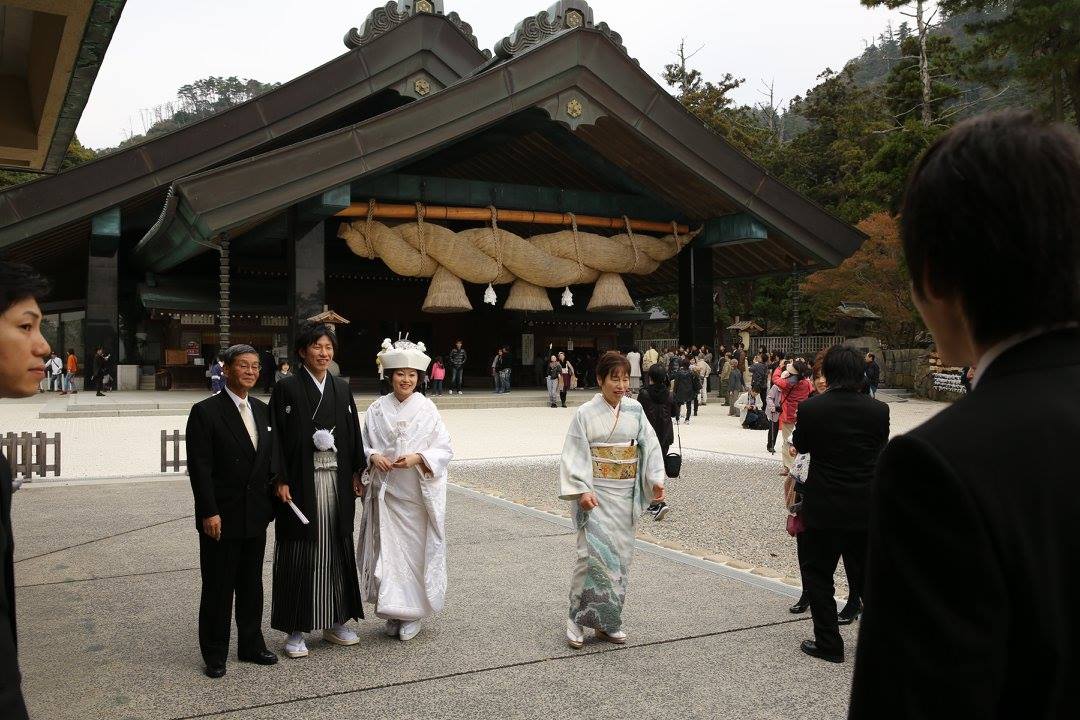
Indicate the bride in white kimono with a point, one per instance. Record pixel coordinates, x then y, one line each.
612 469
401 553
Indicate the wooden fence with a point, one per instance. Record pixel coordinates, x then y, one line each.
802 345
28 453
175 439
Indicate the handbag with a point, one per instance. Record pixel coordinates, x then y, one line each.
795 525
673 460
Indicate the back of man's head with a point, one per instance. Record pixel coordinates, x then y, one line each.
991 217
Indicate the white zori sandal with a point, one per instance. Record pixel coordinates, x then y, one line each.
575 634
618 637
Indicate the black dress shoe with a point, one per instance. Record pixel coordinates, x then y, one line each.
263 657
215 671
810 648
801 606
850 613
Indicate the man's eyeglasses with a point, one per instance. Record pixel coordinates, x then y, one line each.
244 366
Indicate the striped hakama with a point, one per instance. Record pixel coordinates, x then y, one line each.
315 581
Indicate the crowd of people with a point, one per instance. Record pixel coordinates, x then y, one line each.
959 554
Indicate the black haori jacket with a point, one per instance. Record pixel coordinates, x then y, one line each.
291 411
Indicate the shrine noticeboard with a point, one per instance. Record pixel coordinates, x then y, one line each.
528 341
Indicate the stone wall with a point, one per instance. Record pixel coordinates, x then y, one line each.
899 368
935 381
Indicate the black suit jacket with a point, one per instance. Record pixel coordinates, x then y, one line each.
11 702
844 432
228 477
972 569
294 462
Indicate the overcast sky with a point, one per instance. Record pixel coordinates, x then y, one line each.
160 45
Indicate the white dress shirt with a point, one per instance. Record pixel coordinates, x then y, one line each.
246 414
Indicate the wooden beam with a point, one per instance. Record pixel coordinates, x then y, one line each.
473 214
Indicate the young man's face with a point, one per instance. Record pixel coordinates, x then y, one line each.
23 349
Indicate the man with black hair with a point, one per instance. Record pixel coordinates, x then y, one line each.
844 431
23 350
971 588
229 450
873 375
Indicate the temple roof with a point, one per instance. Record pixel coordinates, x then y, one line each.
580 79
350 87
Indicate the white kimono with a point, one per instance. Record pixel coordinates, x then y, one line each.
401 553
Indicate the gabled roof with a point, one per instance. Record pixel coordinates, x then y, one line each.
857 310
579 77
745 326
441 49
50 54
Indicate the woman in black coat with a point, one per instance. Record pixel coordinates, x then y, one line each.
660 407
844 432
685 384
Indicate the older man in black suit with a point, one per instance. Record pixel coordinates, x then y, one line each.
229 449
972 585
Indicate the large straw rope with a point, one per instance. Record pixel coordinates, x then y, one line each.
494 255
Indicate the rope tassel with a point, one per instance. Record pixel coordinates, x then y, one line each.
567 297
489 295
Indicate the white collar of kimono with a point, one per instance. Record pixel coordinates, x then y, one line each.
399 403
321 384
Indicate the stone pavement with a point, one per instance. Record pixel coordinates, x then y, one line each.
108 584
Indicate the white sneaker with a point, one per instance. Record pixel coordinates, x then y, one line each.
392 628
575 634
295 647
618 637
338 634
408 630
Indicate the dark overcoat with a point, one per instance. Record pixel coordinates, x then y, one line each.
228 476
11 700
291 411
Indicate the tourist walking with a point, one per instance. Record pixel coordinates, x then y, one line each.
567 377
794 388
23 350
703 370
401 552
736 385
971 589
496 371
55 370
872 374
438 372
457 358
611 470
759 376
316 425
844 433
71 371
685 385
229 452
217 376
724 369
659 407
650 358
634 358
553 370
101 370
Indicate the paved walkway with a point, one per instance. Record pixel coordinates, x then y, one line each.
108 587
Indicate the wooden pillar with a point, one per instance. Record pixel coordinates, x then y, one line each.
307 264
696 324
102 289
224 296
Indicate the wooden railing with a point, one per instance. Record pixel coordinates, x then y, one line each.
28 453
175 439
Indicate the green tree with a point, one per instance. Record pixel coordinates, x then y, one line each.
1037 41
924 19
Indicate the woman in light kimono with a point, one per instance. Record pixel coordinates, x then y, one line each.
612 469
402 548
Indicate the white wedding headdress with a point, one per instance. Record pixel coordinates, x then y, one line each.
406 354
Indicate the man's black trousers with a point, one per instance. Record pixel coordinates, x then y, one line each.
819 553
231 567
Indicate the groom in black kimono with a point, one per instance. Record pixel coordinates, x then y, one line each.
229 447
